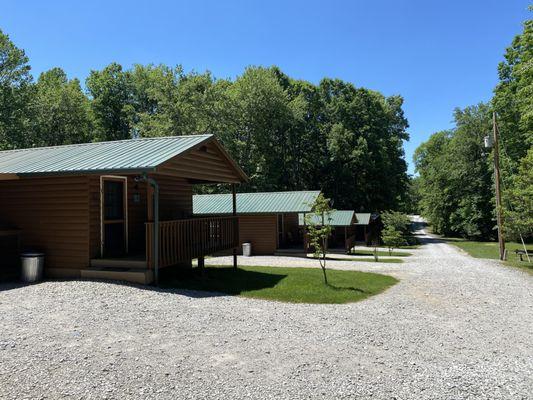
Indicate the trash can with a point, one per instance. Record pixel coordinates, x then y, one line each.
247 249
32 266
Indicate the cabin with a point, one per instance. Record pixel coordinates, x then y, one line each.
267 220
118 210
367 230
343 232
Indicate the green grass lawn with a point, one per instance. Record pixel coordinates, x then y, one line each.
491 250
294 285
380 253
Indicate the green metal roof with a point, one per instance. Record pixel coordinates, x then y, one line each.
255 203
362 218
336 218
122 155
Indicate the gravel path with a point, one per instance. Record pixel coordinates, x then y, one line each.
453 328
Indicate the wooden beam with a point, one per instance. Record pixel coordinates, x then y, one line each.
8 177
236 226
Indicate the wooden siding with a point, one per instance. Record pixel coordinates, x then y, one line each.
204 164
53 215
261 231
175 197
175 202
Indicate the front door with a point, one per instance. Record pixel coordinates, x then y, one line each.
114 216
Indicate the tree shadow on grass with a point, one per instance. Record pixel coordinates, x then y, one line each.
219 281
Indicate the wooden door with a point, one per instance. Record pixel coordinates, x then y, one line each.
114 216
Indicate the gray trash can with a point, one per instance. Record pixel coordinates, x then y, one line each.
32 266
247 249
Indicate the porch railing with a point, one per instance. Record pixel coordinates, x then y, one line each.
185 239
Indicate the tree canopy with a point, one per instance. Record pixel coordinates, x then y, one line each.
456 183
287 134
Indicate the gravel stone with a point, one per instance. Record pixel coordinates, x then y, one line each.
454 327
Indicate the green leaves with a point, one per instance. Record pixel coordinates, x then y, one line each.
319 230
455 176
15 88
286 134
396 229
456 172
60 111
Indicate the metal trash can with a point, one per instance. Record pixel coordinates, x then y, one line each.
247 249
32 266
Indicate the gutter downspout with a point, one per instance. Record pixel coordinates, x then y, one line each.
155 185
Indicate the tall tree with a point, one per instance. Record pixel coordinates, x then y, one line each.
262 117
15 86
455 176
60 110
513 99
112 102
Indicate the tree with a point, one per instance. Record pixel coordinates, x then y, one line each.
396 229
392 238
286 134
15 87
513 98
319 230
262 117
60 110
456 172
112 102
412 199
455 176
519 201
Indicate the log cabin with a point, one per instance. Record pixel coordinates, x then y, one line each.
118 210
349 229
343 233
267 220
367 228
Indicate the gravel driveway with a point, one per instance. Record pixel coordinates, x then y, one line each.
453 328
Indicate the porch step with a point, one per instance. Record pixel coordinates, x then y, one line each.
119 263
135 275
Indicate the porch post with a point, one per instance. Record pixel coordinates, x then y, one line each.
346 239
305 235
155 238
201 265
235 225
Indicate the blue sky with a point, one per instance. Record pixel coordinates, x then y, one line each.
437 54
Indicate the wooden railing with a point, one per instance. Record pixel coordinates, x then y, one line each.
185 239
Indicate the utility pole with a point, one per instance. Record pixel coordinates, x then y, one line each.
499 218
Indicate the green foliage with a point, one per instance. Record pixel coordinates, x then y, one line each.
112 102
319 232
455 176
513 97
60 111
396 229
392 238
287 134
519 198
456 172
294 285
15 80
411 202
397 221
